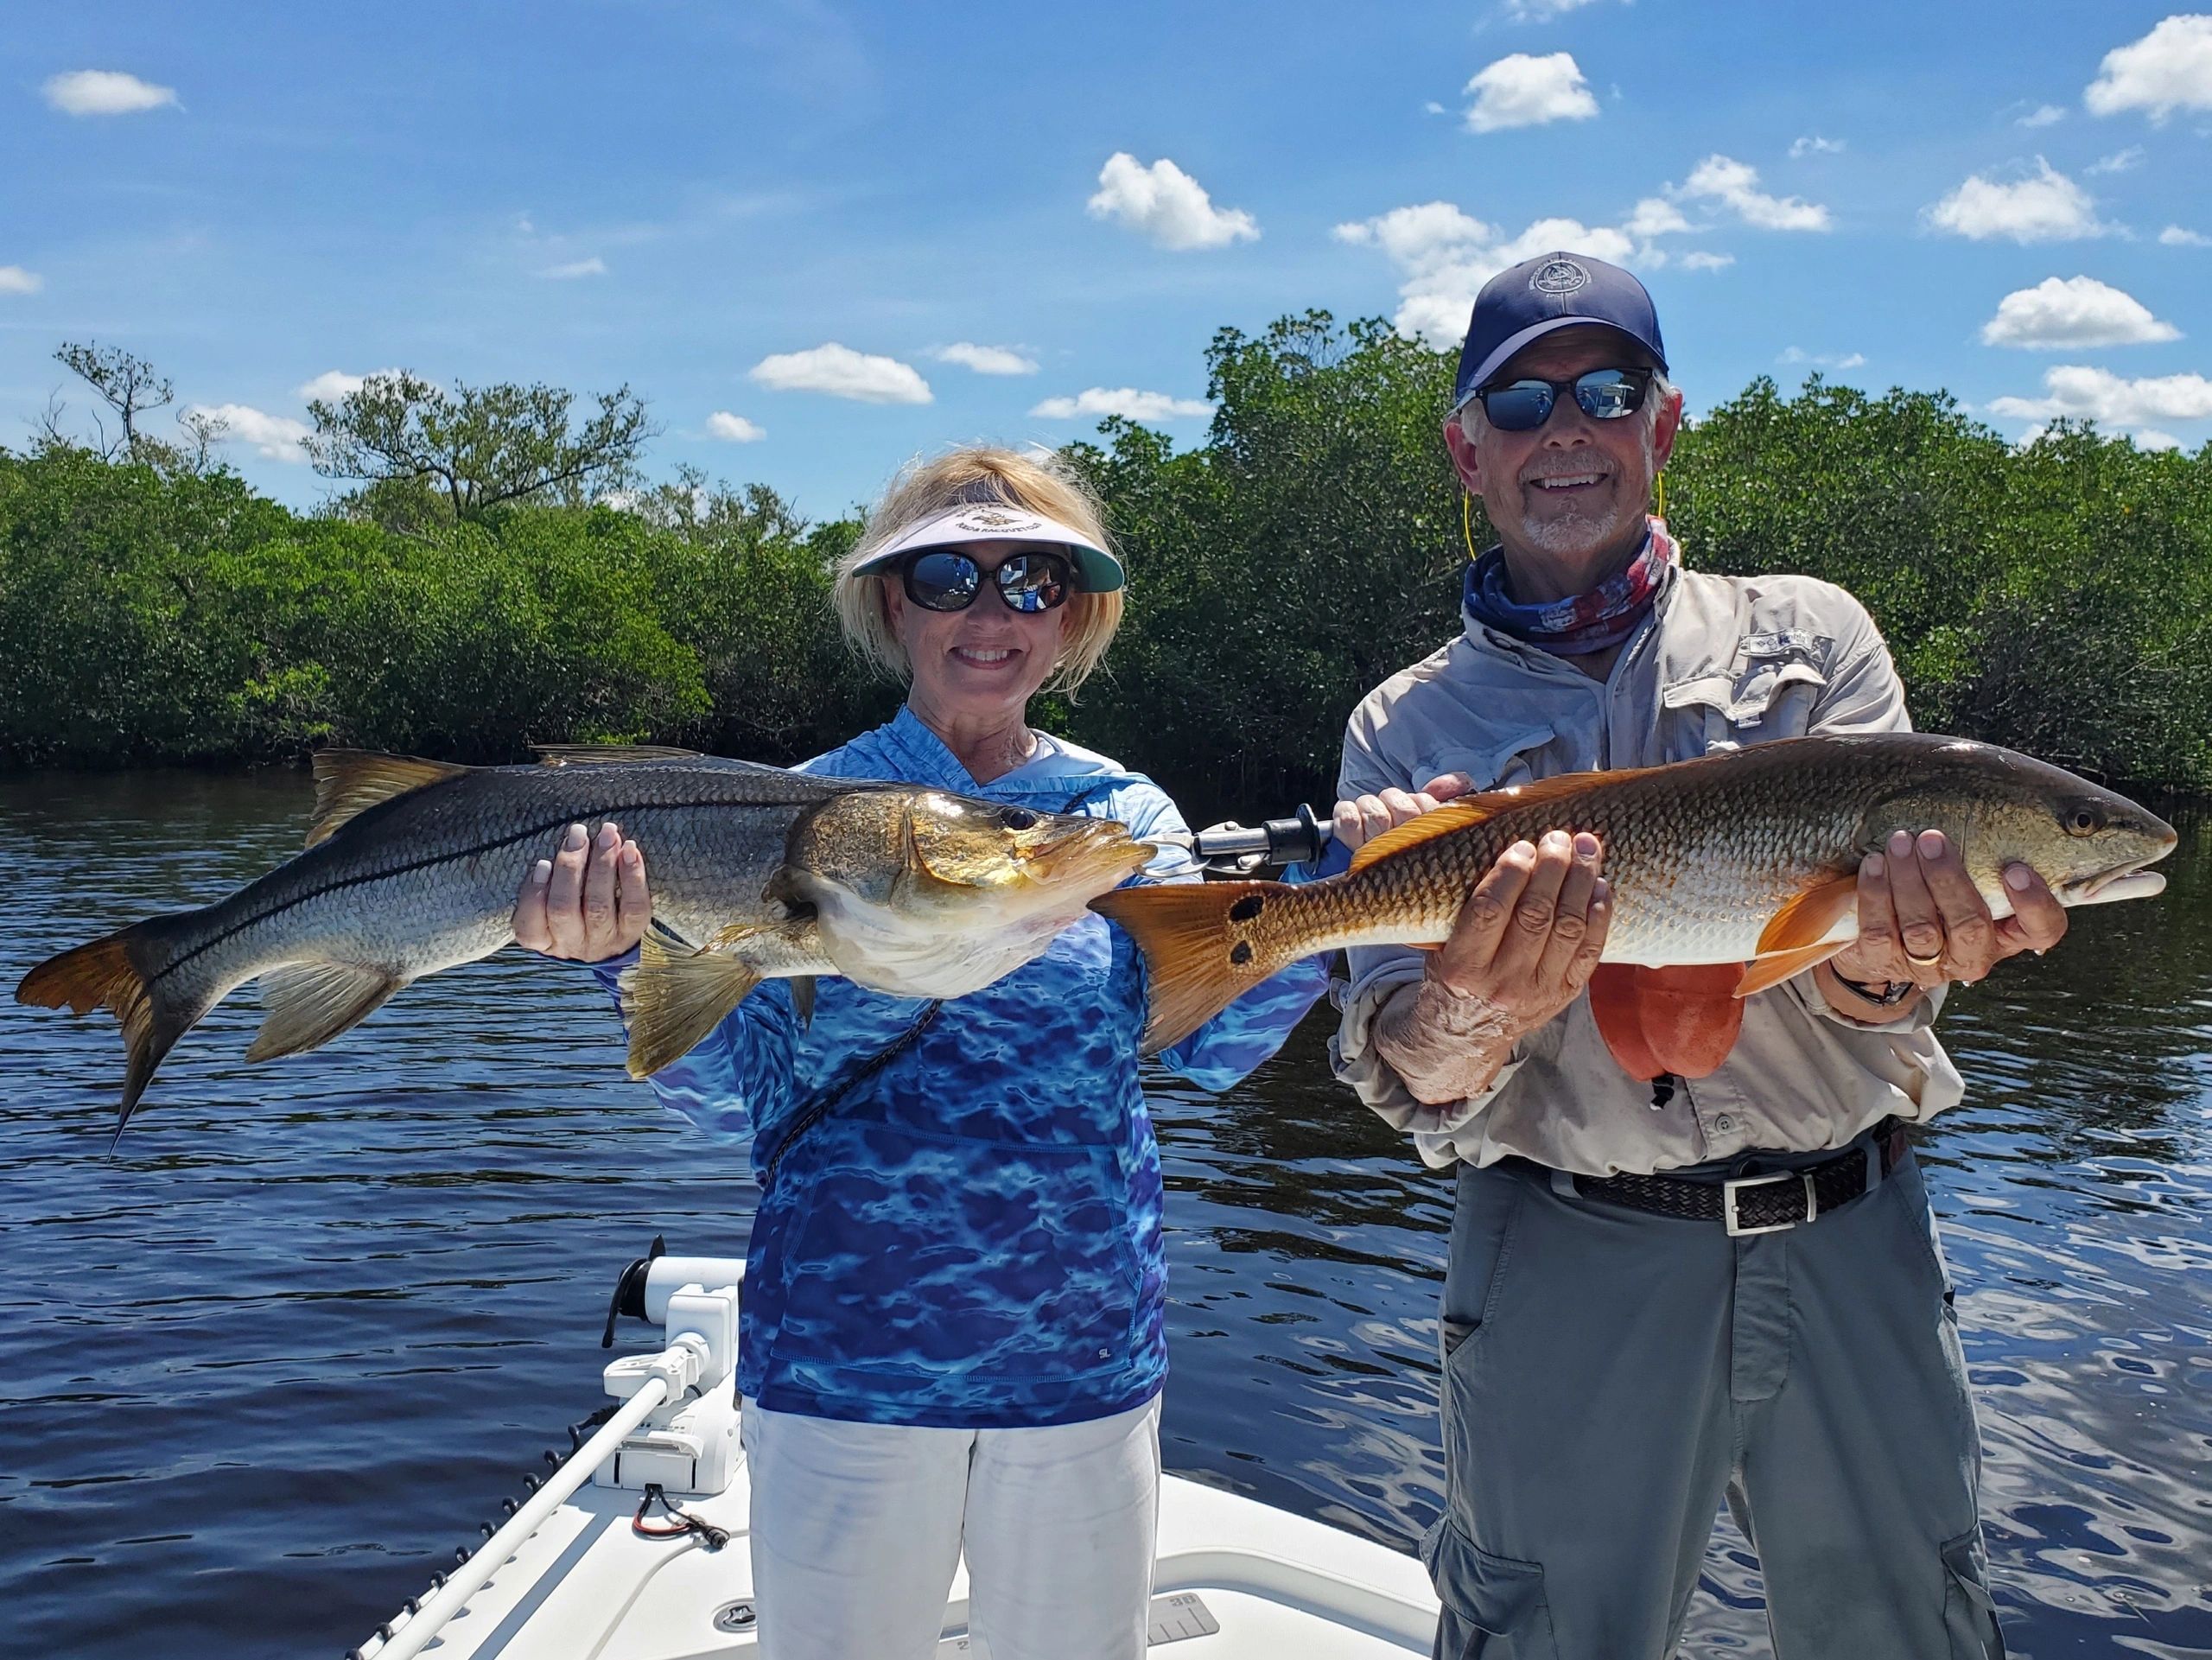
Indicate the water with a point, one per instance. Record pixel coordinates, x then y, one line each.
264 1368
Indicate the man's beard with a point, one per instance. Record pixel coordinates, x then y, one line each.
1575 533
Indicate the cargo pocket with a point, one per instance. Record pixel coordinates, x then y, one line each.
1969 1612
1494 1607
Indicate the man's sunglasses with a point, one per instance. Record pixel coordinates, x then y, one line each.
945 580
1603 394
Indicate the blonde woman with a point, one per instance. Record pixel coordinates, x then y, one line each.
954 1320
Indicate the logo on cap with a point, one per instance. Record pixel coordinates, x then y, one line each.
995 521
1560 276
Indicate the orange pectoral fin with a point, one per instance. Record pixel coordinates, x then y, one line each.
1683 1019
1775 967
1807 919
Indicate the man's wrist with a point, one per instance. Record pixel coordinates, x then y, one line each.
1876 1003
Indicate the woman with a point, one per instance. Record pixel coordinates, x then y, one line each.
954 1319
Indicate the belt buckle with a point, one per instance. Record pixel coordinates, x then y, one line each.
1731 1189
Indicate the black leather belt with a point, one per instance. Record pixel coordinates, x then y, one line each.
1761 1204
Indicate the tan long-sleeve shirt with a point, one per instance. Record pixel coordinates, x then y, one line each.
1723 661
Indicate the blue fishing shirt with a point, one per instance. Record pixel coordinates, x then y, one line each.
968 1235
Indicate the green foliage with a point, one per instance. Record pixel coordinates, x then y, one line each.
2057 598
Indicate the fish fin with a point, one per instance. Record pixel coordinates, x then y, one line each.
1683 1019
348 782
1806 919
673 999
109 973
1772 968
587 754
1198 950
1466 811
310 1003
803 999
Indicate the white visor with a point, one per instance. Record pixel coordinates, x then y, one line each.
1098 571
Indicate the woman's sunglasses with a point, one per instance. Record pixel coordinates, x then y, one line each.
945 580
1603 394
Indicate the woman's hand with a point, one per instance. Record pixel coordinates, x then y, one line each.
587 902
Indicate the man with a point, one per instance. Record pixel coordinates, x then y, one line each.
1630 1330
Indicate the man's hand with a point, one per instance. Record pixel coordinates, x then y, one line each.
1921 920
1523 947
587 902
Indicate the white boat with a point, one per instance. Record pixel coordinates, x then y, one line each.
635 1547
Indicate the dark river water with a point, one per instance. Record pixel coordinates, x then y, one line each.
267 1365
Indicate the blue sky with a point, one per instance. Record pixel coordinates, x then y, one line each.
2008 200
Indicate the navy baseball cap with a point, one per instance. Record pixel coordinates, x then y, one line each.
1554 290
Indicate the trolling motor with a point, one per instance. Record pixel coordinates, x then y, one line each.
688 1443
1237 850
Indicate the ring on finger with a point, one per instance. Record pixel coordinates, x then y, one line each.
1918 962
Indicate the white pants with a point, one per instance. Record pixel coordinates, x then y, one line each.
857 1528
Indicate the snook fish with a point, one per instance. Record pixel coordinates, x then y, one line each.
412 867
1747 859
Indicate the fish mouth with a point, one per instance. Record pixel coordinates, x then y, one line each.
1100 849
2132 882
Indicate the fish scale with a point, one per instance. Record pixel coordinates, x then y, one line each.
1742 856
413 866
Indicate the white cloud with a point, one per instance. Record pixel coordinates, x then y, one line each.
2118 160
2174 236
1812 144
986 359
1125 401
104 91
594 266
2043 115
2050 207
843 373
2101 396
2169 69
1433 108
275 436
1444 257
1656 216
1735 184
2073 312
1523 90
1700 260
334 384
1167 204
1824 360
1537 11
14 279
735 428
2151 438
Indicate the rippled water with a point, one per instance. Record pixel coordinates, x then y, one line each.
267 1365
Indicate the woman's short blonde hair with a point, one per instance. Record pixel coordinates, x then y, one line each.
1037 481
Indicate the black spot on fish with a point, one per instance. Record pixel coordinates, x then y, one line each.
1241 952
1246 908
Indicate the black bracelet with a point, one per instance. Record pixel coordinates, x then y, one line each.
1892 993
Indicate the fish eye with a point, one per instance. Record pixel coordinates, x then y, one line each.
1017 818
2084 819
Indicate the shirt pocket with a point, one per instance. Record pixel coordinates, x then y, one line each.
1491 765
1767 692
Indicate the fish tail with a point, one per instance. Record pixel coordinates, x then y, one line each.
1205 945
112 973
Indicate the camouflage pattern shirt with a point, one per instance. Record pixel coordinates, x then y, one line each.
966 1234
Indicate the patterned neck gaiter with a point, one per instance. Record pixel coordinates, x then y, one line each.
1594 621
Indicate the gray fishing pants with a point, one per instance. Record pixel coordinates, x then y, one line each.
1611 1375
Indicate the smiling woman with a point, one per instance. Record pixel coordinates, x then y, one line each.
954 1334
